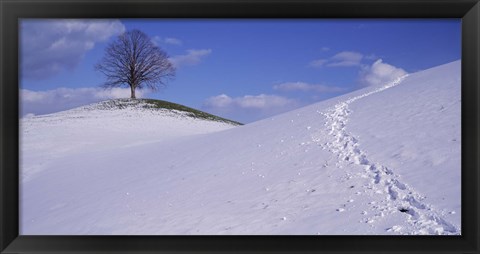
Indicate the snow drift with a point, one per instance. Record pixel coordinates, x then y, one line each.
380 160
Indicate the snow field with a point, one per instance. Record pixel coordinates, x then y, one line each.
331 168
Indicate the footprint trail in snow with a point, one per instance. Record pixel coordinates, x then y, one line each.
399 196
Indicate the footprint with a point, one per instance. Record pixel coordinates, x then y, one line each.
400 185
414 202
395 228
409 211
393 195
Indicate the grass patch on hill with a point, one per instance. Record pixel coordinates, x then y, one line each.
159 104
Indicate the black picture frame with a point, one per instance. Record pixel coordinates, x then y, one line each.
12 10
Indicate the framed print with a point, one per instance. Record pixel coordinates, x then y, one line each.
239 126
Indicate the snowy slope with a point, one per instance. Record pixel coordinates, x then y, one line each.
102 126
420 142
355 164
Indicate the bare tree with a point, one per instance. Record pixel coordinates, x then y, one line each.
133 60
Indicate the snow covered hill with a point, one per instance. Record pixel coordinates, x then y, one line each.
108 125
380 160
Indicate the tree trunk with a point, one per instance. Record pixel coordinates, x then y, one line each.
132 92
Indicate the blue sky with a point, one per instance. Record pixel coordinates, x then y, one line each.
244 70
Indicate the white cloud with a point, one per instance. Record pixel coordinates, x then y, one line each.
249 107
43 102
262 101
193 57
318 63
342 59
50 46
173 41
346 58
371 57
219 101
306 87
379 73
157 40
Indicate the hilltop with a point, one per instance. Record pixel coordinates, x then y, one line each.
156 105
